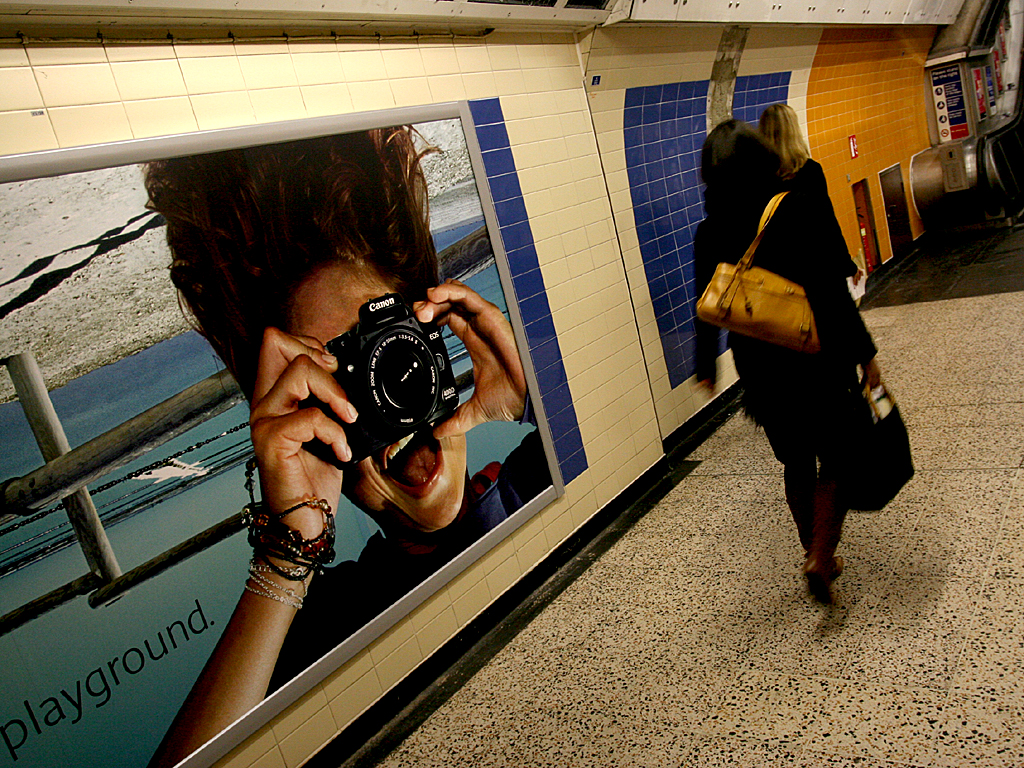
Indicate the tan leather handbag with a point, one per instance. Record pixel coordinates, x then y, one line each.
758 303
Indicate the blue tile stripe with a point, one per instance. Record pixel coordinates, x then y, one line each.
664 130
517 237
755 92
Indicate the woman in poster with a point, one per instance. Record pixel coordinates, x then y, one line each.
275 251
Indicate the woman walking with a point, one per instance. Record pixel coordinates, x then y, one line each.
803 401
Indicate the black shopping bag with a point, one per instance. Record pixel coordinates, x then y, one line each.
882 448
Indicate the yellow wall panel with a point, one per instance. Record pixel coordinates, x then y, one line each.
868 83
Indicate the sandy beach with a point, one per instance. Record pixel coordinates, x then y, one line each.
117 303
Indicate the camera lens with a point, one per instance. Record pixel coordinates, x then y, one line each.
404 377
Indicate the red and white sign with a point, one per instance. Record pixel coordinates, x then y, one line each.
978 76
853 146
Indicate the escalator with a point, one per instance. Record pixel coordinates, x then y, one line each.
974 172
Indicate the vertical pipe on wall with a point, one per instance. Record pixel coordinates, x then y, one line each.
723 74
46 426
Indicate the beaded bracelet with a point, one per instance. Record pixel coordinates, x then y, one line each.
270 537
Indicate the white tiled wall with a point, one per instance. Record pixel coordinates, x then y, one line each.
629 58
73 95
783 50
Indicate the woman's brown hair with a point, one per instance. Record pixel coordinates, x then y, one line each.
246 226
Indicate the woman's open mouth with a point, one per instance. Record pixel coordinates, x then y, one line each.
413 461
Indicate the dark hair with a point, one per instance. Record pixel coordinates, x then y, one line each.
246 226
736 156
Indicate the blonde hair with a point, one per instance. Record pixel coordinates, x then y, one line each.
780 126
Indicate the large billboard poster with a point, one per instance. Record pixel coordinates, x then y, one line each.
338 344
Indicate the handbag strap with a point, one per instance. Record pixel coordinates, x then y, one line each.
744 264
769 211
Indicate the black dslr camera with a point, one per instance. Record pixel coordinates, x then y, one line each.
396 372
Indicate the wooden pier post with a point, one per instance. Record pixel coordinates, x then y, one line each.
53 443
128 441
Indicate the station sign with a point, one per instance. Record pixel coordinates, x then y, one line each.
950 105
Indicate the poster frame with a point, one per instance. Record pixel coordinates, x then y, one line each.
57 162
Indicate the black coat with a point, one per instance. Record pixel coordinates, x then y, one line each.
810 181
798 244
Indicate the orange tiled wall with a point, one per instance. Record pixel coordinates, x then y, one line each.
868 83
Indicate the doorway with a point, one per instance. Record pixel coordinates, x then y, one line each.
866 225
897 214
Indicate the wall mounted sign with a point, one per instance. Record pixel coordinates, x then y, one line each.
853 146
980 96
950 107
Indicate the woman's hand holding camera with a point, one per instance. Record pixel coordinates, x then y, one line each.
292 369
499 392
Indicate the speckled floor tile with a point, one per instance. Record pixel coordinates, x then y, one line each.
701 491
1013 520
739 455
810 759
935 603
730 752
970 492
990 446
736 428
1000 414
814 643
939 416
950 545
931 446
982 732
1008 558
881 722
877 539
991 663
918 656
771 708
1002 392
923 392
864 575
1012 369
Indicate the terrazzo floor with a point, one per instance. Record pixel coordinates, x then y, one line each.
692 641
